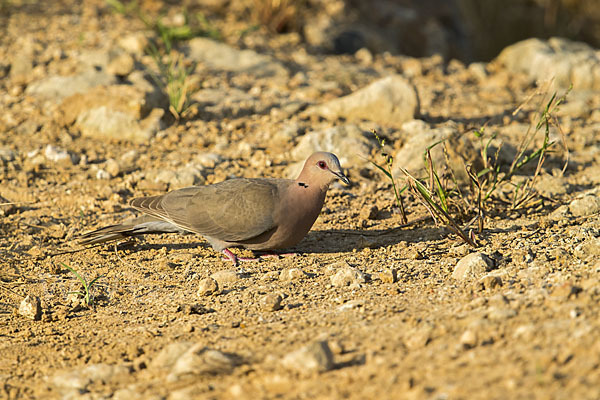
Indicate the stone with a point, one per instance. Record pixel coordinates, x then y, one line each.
586 205
497 313
551 186
116 111
112 167
313 358
57 87
22 62
419 136
59 155
220 56
226 103
369 212
488 282
471 266
207 287
390 101
201 360
292 274
31 308
418 337
388 275
169 354
468 339
104 123
6 155
224 277
588 250
563 60
566 290
349 142
134 43
120 64
80 378
271 302
347 276
131 100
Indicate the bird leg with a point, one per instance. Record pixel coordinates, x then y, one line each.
234 259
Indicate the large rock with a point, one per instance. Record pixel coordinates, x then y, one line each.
117 112
564 60
389 101
221 56
58 87
348 142
418 136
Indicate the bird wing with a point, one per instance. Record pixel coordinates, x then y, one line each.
233 210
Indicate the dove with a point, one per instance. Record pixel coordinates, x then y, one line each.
261 214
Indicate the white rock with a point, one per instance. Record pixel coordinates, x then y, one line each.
169 354
292 274
564 60
221 56
134 43
224 277
315 357
472 266
58 87
348 276
103 122
388 101
31 308
199 360
57 154
349 142
208 286
587 205
271 302
6 154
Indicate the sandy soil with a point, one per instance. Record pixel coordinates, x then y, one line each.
402 327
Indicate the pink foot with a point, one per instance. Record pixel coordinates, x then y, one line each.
234 259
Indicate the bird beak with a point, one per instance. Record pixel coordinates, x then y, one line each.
341 177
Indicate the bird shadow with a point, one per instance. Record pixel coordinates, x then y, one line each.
318 241
347 240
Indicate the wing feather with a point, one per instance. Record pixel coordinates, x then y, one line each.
233 210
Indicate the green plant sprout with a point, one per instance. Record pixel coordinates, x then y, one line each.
389 162
88 299
172 75
442 200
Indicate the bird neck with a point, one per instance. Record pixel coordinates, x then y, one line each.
307 181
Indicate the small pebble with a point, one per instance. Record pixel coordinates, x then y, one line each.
201 360
471 266
271 302
207 287
225 276
388 276
31 308
112 167
369 212
468 339
488 282
348 276
292 274
315 357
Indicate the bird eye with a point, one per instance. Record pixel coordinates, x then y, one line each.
322 164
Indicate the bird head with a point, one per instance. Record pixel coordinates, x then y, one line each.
321 169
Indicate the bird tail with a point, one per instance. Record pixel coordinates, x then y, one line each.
136 227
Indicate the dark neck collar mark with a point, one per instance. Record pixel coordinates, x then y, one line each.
302 184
